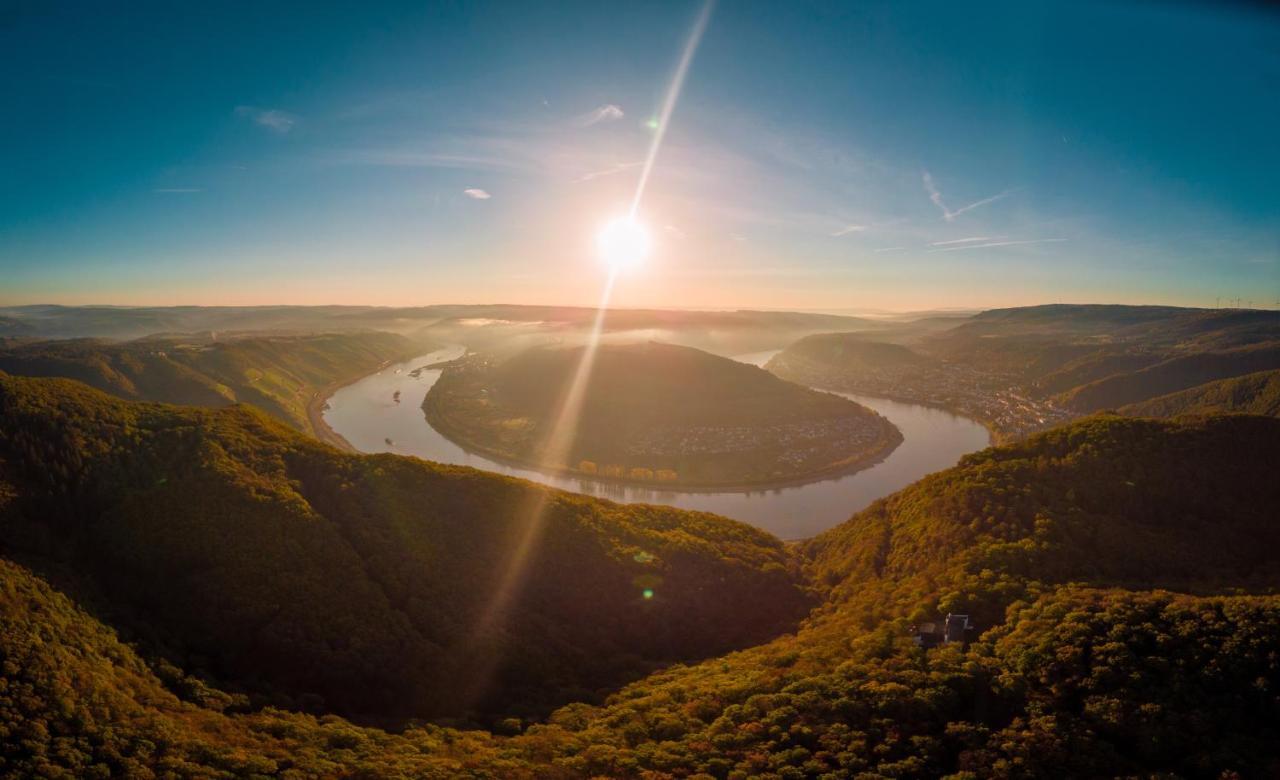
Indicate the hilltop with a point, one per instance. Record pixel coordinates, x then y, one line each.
1108 639
658 413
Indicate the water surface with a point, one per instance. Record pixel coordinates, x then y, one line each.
367 415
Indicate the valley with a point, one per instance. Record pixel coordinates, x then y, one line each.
1072 553
211 581
365 415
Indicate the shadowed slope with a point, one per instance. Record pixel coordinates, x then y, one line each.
1249 394
352 583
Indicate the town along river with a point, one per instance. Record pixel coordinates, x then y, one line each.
383 413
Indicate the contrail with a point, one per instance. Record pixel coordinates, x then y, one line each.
673 96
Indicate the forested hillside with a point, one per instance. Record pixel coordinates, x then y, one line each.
1249 394
376 586
1062 550
1170 376
1109 639
279 374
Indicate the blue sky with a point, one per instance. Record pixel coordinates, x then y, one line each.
821 156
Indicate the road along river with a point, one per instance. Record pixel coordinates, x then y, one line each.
383 413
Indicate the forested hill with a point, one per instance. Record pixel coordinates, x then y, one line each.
1257 393
652 410
378 586
1106 500
854 352
279 374
1121 576
1111 637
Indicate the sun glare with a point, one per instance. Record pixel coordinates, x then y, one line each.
623 243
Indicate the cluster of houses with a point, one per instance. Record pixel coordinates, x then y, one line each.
639 474
852 430
953 628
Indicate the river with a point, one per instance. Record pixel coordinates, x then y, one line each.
367 415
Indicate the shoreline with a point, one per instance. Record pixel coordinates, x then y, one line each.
320 428
997 437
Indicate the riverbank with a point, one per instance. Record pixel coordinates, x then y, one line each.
319 402
999 434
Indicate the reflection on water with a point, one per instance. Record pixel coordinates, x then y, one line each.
367 414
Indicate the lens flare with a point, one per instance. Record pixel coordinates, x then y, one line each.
623 243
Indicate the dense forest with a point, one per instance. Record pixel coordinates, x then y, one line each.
653 412
280 374
378 587
1257 393
194 592
1170 376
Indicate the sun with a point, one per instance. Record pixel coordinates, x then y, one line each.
623 243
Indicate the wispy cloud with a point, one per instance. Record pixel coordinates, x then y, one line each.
609 112
999 243
178 189
889 249
847 229
273 119
612 169
409 158
973 240
950 214
476 193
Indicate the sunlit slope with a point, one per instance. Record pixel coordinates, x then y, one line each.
278 374
657 413
1027 369
1112 675
370 585
1046 346
1105 500
1249 394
